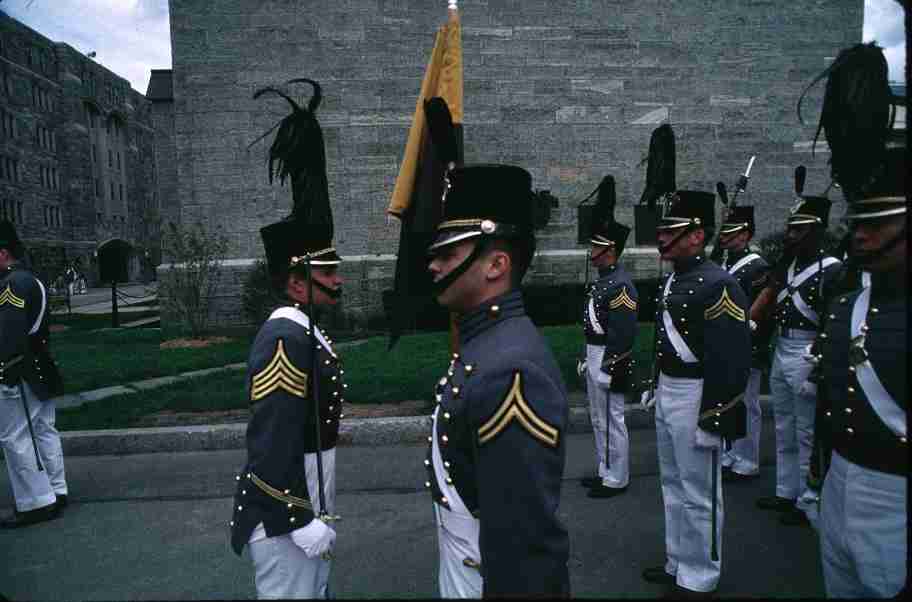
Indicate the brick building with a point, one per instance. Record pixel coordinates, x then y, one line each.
570 90
77 170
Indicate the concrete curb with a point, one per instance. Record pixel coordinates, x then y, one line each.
354 431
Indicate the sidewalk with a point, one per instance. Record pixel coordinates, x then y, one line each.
214 437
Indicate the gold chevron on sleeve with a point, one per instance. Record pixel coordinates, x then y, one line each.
515 407
723 306
279 373
8 296
623 299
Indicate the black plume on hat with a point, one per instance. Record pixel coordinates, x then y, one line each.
660 167
298 152
442 131
856 116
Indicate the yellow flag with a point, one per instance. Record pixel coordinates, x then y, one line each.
443 78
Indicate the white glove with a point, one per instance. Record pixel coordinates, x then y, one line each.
808 389
581 368
647 399
315 539
753 326
603 380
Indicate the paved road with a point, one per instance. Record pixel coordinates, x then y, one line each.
155 527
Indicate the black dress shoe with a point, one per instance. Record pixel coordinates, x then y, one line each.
62 501
601 491
30 517
591 481
779 504
657 574
794 518
736 477
682 593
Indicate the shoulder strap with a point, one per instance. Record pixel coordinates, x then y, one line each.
878 397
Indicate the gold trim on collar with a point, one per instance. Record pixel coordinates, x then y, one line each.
623 299
514 406
8 296
280 373
723 306
275 493
722 409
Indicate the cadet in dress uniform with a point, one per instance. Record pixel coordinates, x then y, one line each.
29 380
863 400
277 510
610 328
862 419
742 460
286 492
703 359
805 279
496 453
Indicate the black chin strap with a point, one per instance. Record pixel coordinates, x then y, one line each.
867 257
444 283
603 251
333 293
674 241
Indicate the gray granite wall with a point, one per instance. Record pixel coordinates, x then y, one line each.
570 90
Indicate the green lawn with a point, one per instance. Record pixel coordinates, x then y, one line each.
84 322
101 358
374 375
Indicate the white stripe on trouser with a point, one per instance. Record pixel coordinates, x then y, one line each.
31 488
686 477
613 469
457 539
283 570
863 530
744 455
794 415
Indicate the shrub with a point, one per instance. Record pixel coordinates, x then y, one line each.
189 283
257 297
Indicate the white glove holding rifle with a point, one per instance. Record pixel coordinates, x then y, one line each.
316 539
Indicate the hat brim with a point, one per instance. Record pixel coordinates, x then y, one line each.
601 241
320 258
800 219
733 228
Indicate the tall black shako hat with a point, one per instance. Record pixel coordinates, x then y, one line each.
486 200
689 209
298 153
738 218
9 239
814 210
888 192
606 232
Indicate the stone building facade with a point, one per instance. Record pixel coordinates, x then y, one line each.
570 90
78 171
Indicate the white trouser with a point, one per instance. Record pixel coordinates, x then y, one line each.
283 570
863 533
794 415
744 455
686 475
31 488
606 412
457 539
